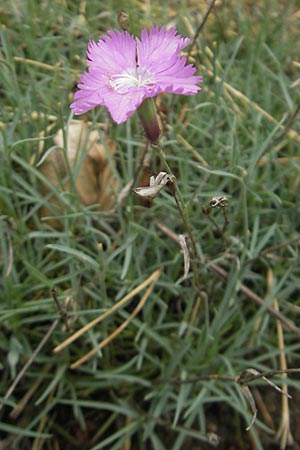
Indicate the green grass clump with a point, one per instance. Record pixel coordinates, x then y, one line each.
169 379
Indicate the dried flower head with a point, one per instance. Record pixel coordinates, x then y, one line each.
220 202
155 186
125 70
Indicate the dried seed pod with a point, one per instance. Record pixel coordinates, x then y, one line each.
123 19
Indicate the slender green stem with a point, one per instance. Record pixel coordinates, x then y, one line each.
196 257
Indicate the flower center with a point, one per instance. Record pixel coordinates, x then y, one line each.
131 78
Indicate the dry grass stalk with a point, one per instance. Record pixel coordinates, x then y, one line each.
284 432
116 307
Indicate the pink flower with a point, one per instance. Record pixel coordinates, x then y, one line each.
124 71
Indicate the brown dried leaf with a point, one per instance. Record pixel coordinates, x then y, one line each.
85 161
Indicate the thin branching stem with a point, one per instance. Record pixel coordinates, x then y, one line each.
196 257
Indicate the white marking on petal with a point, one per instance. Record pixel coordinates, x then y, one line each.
131 78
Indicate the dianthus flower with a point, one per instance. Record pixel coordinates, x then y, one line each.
124 71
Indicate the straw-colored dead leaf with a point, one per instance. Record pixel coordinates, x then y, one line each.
186 254
78 159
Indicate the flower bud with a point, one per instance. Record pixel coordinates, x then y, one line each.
148 116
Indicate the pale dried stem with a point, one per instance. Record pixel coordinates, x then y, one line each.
107 313
113 335
208 68
41 65
189 147
44 425
284 431
288 324
194 315
19 408
263 408
244 99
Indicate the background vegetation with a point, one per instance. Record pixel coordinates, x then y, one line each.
239 138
